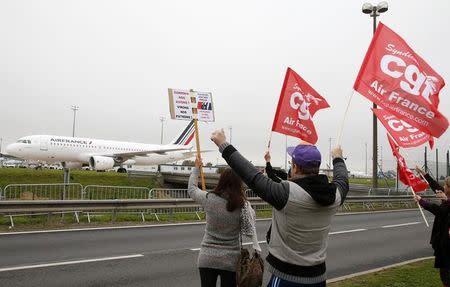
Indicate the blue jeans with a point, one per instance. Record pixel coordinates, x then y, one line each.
278 282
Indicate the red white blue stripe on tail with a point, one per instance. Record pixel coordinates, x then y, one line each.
186 136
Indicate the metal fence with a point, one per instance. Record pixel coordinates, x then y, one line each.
43 192
100 192
167 193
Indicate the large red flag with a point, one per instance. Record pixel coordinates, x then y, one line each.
405 174
400 81
297 105
402 132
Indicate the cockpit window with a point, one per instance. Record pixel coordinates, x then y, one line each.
24 141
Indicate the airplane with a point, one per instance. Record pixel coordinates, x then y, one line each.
101 155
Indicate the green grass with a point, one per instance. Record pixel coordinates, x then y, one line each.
84 177
418 274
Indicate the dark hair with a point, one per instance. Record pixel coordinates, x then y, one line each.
230 187
314 170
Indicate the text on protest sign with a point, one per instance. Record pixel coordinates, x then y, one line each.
185 104
394 77
297 105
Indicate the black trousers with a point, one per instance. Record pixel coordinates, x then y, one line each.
208 277
444 273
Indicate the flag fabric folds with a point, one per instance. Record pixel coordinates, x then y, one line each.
394 77
405 174
297 105
403 133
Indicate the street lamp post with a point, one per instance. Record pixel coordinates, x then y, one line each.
162 119
374 11
231 129
74 109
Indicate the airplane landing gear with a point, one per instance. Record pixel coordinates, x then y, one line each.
121 170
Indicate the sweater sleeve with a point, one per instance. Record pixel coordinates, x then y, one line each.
276 194
340 177
433 183
196 193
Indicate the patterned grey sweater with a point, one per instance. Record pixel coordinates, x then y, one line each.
220 244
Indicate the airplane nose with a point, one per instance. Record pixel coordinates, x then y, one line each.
11 149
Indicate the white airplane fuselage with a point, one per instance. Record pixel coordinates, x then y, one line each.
81 151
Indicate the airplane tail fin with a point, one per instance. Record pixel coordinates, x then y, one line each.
186 136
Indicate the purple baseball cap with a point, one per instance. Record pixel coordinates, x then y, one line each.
305 155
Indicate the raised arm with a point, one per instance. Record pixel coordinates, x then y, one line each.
196 193
434 185
340 173
427 205
276 194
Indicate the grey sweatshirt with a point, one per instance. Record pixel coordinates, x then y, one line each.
220 245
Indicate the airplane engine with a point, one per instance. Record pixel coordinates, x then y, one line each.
101 162
71 165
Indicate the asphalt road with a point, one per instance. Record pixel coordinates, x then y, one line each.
166 255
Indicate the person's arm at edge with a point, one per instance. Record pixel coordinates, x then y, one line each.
427 205
276 194
433 183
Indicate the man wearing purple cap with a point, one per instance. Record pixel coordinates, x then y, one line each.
303 207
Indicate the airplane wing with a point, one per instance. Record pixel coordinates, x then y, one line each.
128 155
7 156
194 153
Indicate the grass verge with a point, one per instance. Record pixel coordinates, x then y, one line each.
417 274
84 177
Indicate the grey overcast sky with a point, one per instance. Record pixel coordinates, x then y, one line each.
116 60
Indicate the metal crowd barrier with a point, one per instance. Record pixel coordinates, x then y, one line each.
70 191
99 192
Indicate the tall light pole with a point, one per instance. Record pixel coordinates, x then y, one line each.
74 109
366 157
162 119
231 134
374 11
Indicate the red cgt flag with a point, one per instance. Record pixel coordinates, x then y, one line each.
394 77
297 105
402 132
405 174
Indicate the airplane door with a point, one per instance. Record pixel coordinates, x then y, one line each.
44 144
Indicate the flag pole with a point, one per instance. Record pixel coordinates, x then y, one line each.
197 137
343 120
197 142
420 208
270 140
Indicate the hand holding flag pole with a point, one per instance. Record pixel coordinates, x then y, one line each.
420 207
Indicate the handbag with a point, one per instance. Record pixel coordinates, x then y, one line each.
250 270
